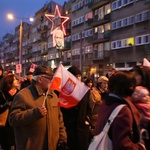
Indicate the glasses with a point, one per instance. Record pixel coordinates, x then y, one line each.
49 78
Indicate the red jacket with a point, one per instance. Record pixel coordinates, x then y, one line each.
124 129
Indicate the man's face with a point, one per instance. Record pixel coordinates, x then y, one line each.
44 81
58 38
29 77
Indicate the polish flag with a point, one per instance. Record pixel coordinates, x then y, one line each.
71 89
146 62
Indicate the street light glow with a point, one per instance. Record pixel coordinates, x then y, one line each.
31 19
10 16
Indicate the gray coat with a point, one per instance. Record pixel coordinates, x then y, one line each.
32 131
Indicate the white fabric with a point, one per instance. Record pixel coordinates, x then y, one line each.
102 141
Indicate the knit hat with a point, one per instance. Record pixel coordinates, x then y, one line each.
103 79
29 73
74 70
43 70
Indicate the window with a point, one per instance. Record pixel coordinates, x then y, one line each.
119 4
124 2
100 51
143 39
114 25
125 22
139 17
131 20
114 5
119 24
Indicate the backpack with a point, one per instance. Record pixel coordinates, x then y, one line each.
102 141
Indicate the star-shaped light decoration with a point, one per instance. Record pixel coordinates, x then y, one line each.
57 20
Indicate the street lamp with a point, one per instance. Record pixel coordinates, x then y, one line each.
11 17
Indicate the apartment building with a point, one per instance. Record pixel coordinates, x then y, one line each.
99 34
130 32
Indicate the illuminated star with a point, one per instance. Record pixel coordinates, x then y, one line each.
54 19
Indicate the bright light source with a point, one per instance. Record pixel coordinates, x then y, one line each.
10 16
31 19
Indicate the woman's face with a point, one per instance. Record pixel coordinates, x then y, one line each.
90 84
138 78
15 82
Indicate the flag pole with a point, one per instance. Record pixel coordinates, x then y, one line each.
46 95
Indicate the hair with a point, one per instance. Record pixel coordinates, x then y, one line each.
122 83
7 82
144 71
88 80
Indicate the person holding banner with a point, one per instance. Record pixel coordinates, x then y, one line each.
77 126
36 116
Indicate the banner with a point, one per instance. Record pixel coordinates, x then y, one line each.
71 89
18 68
32 67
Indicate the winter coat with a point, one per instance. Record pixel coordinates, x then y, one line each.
75 121
123 131
7 138
32 130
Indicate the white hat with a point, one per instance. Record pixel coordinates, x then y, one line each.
103 79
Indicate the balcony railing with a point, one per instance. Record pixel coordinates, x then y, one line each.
42 29
99 37
95 21
98 3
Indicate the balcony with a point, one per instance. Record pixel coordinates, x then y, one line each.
98 3
147 49
67 45
101 55
44 38
68 32
42 29
99 37
44 52
95 21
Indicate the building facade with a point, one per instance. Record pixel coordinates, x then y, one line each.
100 34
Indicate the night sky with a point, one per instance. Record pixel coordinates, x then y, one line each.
20 8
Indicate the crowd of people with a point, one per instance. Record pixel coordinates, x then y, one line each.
36 122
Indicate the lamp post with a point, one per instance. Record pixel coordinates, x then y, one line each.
11 17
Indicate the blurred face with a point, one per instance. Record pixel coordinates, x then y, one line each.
78 76
58 38
138 78
44 81
29 77
15 83
90 84
104 85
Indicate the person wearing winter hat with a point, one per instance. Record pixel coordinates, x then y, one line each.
75 71
97 95
27 80
35 113
77 127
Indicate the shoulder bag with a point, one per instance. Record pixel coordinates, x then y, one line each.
102 141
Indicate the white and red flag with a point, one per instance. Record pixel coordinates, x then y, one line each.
146 62
71 89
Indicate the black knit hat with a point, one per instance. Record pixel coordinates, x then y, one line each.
43 70
29 73
74 70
